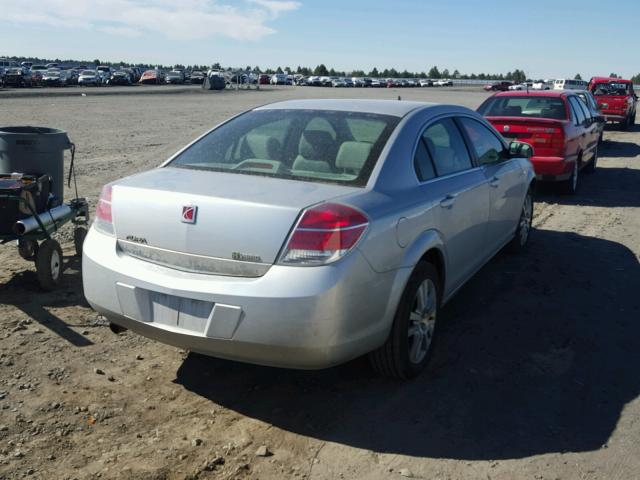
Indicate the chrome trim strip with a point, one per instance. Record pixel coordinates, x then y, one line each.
188 262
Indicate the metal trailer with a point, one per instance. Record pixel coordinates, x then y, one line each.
39 149
38 245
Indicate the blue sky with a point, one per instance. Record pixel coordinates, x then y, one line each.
544 38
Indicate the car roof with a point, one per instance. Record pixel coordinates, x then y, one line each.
381 107
533 93
609 79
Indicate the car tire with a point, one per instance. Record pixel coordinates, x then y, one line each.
49 264
523 230
570 186
591 166
408 347
625 124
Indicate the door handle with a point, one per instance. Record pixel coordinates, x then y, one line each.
448 201
494 182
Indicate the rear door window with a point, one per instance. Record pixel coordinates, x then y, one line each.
585 109
446 146
423 162
580 118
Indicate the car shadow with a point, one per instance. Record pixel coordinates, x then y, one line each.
536 354
614 148
606 187
23 292
616 128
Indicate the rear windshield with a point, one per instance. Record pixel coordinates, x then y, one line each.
310 145
612 88
524 106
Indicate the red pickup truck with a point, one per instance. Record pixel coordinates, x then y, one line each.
558 125
616 100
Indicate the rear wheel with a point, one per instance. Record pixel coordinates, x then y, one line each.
408 348
523 231
570 186
591 166
49 264
625 124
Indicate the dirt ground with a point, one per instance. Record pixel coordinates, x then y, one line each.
536 374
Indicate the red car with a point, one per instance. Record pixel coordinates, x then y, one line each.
557 124
498 87
616 99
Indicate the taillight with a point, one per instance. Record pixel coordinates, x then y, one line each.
104 218
547 141
324 234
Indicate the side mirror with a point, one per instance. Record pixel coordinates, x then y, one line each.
520 149
599 119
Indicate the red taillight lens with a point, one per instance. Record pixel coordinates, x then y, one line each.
547 141
104 219
324 234
103 210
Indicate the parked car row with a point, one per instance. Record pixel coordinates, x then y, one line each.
564 126
54 75
363 82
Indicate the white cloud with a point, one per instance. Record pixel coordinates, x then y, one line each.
275 7
184 19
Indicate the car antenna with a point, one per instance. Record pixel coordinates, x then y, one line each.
399 98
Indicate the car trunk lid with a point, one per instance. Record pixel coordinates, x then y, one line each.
211 222
545 135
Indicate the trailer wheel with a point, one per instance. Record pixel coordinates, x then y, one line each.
49 264
27 249
78 239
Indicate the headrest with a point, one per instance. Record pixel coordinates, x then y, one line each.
263 146
554 111
513 110
315 144
353 155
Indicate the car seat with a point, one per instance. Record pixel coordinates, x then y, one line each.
262 147
315 150
512 111
352 156
554 111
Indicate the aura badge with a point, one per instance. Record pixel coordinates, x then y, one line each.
189 214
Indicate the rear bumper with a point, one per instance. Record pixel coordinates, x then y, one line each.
614 117
552 168
294 317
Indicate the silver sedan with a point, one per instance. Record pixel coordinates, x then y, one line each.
306 233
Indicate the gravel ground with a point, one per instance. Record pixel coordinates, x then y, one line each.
535 375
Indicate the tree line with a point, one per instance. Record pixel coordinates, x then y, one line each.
434 73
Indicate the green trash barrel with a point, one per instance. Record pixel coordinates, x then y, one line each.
35 150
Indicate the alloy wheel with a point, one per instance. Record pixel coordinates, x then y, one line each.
422 321
526 219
